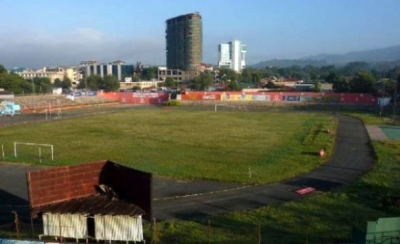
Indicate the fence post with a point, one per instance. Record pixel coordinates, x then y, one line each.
32 227
209 231
154 234
16 222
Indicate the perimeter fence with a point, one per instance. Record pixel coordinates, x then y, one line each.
14 226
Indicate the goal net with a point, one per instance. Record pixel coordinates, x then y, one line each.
230 107
40 150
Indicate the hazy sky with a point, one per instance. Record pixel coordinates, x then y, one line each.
35 33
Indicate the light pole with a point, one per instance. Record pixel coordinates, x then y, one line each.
395 102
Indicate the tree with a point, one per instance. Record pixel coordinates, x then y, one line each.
42 84
332 77
3 70
233 86
255 77
93 82
311 72
271 85
317 86
226 75
57 83
66 83
246 76
202 81
110 83
149 73
15 83
354 68
363 83
341 85
135 78
169 82
81 84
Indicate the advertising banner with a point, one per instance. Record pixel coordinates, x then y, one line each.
261 97
236 97
306 99
291 98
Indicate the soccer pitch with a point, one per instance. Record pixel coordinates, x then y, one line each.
244 147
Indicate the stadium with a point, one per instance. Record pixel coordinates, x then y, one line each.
230 167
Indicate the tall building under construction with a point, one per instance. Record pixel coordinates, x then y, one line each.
184 39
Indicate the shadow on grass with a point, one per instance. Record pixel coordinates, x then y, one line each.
318 184
310 153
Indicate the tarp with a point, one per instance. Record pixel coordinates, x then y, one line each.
118 228
65 225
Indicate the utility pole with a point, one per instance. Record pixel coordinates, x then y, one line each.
395 101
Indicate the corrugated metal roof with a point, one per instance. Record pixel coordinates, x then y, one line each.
94 204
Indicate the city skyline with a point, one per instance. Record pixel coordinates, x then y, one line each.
49 33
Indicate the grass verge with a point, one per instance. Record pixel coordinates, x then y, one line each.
324 218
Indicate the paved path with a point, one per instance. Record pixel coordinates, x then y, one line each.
375 133
352 157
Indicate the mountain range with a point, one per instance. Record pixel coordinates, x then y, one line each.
371 56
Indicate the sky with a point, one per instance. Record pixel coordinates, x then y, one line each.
64 32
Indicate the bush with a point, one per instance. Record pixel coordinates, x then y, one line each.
173 103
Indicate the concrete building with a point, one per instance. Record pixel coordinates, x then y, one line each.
176 74
52 73
143 84
184 47
232 55
117 68
184 39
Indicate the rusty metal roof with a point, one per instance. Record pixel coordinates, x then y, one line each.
94 204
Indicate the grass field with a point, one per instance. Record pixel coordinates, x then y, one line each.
184 144
325 218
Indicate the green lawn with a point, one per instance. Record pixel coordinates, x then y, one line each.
184 144
328 216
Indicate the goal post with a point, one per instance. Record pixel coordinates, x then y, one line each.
230 107
34 144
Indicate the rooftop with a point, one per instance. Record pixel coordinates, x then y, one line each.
94 204
184 16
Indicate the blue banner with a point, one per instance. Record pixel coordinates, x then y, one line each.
82 93
11 241
291 98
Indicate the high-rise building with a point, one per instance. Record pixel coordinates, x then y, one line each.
232 55
117 68
184 42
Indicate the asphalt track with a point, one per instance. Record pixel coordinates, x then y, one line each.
352 157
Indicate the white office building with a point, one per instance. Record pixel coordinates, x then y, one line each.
232 55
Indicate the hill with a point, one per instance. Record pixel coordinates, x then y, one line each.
374 55
387 56
287 63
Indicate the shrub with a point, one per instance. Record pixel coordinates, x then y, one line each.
173 103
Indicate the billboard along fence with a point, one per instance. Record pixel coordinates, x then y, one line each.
136 97
311 97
